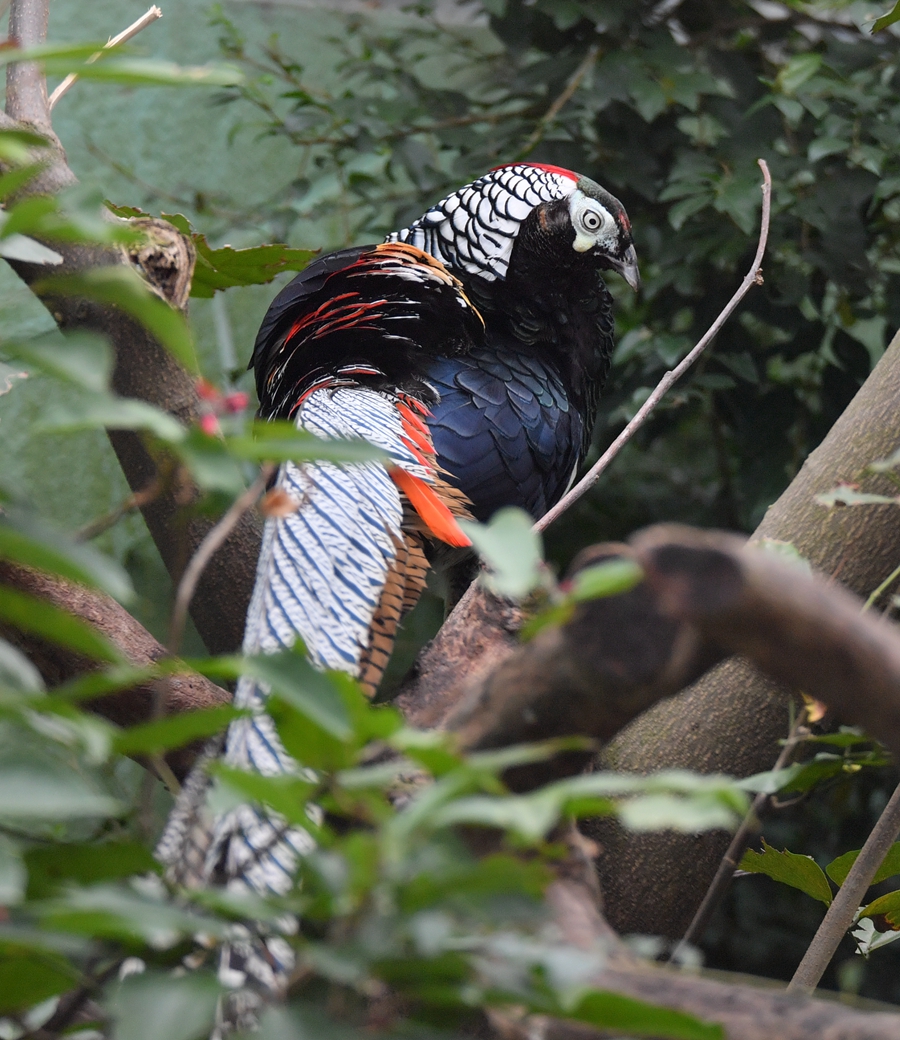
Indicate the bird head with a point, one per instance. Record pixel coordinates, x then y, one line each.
602 230
474 230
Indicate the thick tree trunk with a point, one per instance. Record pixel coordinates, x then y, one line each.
732 719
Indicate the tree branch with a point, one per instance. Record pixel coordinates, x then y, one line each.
733 719
753 277
26 88
843 908
185 692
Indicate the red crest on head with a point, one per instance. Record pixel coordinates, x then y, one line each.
540 166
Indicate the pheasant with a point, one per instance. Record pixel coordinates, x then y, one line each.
471 347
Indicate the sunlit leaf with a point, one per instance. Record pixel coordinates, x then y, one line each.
287 795
148 72
175 731
610 578
156 1006
291 677
21 247
790 869
30 794
511 549
99 411
128 913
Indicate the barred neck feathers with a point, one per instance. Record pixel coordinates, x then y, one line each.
472 231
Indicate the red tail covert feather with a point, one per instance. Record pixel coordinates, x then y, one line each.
428 504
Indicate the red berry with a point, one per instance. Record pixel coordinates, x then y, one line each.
237 401
209 424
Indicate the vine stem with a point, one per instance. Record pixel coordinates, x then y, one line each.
849 896
753 277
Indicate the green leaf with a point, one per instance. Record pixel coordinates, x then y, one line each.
50 867
288 795
797 71
164 1007
127 913
511 549
887 19
16 145
611 578
28 977
17 672
282 442
80 358
98 411
790 869
293 679
223 268
13 876
149 738
26 539
839 868
212 465
823 146
123 288
148 72
887 906
43 619
28 794
21 247
614 1012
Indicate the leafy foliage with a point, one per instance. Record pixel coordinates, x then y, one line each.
670 113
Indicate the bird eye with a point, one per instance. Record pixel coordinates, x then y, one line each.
591 220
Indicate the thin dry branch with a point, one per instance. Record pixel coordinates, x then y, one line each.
705 597
210 545
724 875
843 908
146 19
565 96
753 277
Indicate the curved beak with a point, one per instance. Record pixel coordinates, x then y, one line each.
628 268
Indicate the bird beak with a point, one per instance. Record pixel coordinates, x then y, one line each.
628 268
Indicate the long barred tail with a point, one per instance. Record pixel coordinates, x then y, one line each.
339 572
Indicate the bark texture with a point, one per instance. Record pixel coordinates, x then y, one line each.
732 719
185 692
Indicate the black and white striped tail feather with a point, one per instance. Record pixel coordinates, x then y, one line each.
321 575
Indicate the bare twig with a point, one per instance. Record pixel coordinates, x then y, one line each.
136 501
123 37
738 845
26 89
210 544
573 83
754 277
848 899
